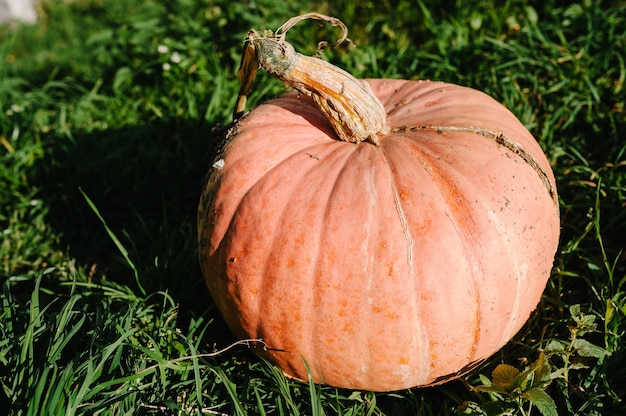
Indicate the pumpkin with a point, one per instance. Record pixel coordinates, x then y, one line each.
394 260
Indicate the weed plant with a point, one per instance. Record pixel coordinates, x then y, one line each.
107 113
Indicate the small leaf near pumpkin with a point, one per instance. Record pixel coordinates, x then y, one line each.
542 401
555 347
585 348
485 380
504 376
574 310
539 371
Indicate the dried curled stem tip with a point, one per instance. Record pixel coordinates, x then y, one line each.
349 104
282 31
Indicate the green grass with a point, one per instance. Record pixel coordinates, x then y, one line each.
107 111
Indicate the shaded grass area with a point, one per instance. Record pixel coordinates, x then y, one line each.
116 103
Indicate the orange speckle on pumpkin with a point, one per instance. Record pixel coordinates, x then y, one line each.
432 346
347 327
433 361
404 194
392 315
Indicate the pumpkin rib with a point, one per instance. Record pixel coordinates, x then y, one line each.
511 326
367 360
317 275
378 232
269 293
462 222
285 218
466 184
415 314
404 224
417 345
510 329
241 204
358 331
321 307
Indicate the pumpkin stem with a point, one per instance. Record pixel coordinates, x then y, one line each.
353 110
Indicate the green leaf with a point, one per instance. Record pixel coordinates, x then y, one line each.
535 374
316 405
484 379
585 348
577 366
504 376
123 78
101 37
476 20
574 310
588 322
541 368
531 15
231 388
542 401
555 346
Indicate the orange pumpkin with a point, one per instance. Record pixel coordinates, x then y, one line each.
382 266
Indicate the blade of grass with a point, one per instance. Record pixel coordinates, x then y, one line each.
91 373
61 338
231 388
316 405
259 401
196 374
115 240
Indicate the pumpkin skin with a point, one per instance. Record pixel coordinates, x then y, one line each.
383 267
